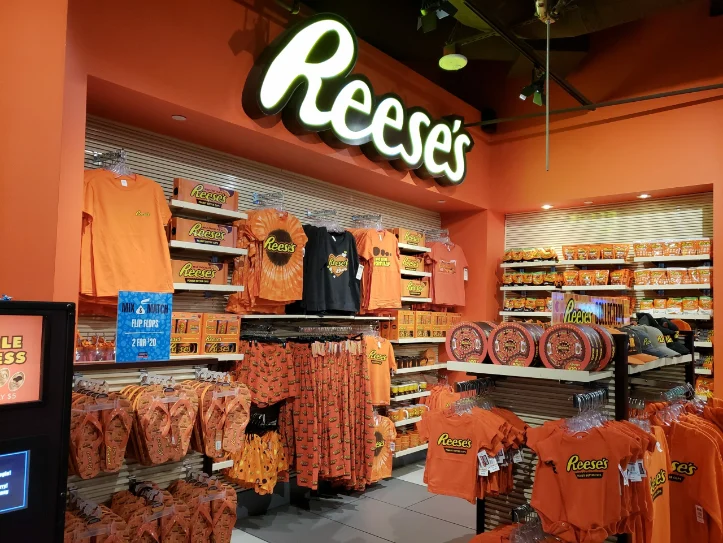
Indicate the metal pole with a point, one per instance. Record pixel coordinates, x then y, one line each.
547 98
656 96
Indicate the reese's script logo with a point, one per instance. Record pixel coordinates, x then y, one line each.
577 316
207 234
377 358
338 264
140 213
587 469
197 274
413 238
213 197
378 443
454 446
279 247
681 470
656 484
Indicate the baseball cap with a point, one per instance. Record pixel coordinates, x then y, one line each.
657 340
635 350
667 328
682 325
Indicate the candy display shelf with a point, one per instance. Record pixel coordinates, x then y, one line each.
205 211
201 247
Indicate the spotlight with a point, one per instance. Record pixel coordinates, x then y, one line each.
452 59
546 207
527 91
536 88
644 196
428 21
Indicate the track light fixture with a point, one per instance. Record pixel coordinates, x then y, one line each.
431 11
452 58
536 88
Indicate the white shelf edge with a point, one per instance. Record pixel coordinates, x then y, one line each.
537 264
411 396
703 343
410 273
682 316
175 244
416 300
703 371
531 373
595 287
208 288
418 369
228 357
317 317
206 210
659 363
544 287
217 466
414 248
412 450
407 422
418 340
673 287
526 314
687 258
600 261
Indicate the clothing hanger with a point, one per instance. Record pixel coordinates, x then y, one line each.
372 221
590 415
114 161
440 235
269 200
325 218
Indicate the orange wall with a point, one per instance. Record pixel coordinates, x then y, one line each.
32 59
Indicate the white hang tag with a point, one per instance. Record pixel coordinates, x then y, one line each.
624 473
359 272
699 514
641 469
466 274
633 473
494 466
501 459
124 183
303 252
392 446
483 462
218 445
517 457
659 447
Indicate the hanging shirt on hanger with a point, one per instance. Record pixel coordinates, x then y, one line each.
448 264
380 360
125 217
380 250
657 466
384 435
340 264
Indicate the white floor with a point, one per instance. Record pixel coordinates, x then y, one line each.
412 473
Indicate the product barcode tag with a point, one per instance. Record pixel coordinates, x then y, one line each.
633 473
699 514
494 466
218 445
483 462
359 272
624 473
392 446
641 469
466 274
124 183
517 457
501 458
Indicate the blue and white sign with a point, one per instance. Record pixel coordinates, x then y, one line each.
14 471
144 326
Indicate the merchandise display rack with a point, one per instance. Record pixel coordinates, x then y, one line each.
201 247
418 369
524 314
531 288
537 264
208 288
206 211
407 422
411 273
411 396
407 248
418 340
704 344
412 300
673 287
687 258
411 450
594 287
620 384
599 262
317 317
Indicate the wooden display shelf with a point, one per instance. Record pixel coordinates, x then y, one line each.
419 340
418 369
686 258
411 450
530 373
538 264
703 371
407 248
524 314
673 287
659 363
531 288
703 344
416 300
201 247
206 211
208 288
410 273
594 287
598 262
682 316
190 360
318 317
407 422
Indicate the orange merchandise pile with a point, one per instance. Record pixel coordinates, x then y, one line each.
673 247
597 251
273 271
260 464
85 522
100 426
530 254
212 505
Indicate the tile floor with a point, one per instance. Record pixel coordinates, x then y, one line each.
399 510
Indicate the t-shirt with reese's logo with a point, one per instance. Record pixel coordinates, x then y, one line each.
380 359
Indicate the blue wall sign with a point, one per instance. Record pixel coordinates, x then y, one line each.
14 481
144 326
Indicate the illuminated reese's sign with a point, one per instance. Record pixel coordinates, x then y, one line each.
305 74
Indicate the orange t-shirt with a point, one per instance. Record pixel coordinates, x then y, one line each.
380 359
696 485
657 464
449 263
380 250
128 245
454 441
282 254
384 435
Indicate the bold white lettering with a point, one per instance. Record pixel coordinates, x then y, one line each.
439 139
382 120
291 63
417 119
346 100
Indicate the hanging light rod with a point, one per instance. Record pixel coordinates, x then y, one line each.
690 90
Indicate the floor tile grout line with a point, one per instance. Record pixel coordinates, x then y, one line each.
348 526
252 535
437 518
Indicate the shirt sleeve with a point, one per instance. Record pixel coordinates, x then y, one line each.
392 360
364 246
88 207
461 259
164 211
423 426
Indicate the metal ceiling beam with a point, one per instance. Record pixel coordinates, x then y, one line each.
527 51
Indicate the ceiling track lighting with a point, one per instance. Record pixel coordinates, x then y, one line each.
452 58
536 88
431 11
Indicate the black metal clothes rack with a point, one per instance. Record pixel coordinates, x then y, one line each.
622 400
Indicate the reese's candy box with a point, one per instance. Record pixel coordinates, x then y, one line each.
401 327
220 333
411 263
415 288
410 237
206 233
204 194
199 273
186 333
422 324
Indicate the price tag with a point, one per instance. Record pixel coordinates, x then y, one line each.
392 446
494 466
624 473
641 469
466 274
483 462
517 456
501 459
143 330
359 272
218 445
124 183
633 473
699 514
